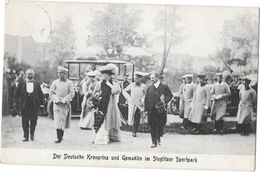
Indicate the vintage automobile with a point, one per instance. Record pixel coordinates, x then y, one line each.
77 68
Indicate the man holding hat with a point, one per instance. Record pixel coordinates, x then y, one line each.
156 99
135 101
200 104
189 88
220 92
61 93
28 99
247 106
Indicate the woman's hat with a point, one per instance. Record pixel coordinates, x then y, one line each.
109 68
91 73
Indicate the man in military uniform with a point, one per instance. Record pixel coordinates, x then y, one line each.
61 93
220 92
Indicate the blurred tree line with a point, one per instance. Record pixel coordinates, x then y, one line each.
239 38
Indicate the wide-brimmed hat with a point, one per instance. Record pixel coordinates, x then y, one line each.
109 68
62 69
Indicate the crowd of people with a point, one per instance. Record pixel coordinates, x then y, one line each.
204 99
106 95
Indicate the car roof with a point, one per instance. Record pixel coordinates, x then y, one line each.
89 61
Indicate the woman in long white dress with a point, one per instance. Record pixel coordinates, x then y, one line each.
107 127
87 116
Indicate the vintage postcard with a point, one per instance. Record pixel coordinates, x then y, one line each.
130 85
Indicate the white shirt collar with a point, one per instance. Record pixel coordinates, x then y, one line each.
157 84
27 80
220 83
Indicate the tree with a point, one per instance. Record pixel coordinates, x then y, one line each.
167 23
62 42
114 28
239 38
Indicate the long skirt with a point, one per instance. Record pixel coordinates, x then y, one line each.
104 136
88 120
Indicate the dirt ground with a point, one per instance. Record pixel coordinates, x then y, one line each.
77 139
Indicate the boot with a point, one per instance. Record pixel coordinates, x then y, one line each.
59 134
238 128
242 129
216 129
185 123
246 129
62 133
221 126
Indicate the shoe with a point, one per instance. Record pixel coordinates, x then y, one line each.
153 146
25 140
214 130
32 137
134 134
58 141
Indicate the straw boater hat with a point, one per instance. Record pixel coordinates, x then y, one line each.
62 69
183 77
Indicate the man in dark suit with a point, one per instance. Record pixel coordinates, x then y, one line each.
157 94
28 99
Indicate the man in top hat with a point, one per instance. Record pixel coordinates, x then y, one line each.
61 93
189 88
220 92
135 101
247 106
181 93
200 105
28 98
156 98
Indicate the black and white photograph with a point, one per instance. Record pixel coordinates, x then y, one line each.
130 85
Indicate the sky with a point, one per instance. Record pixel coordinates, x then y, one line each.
201 25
